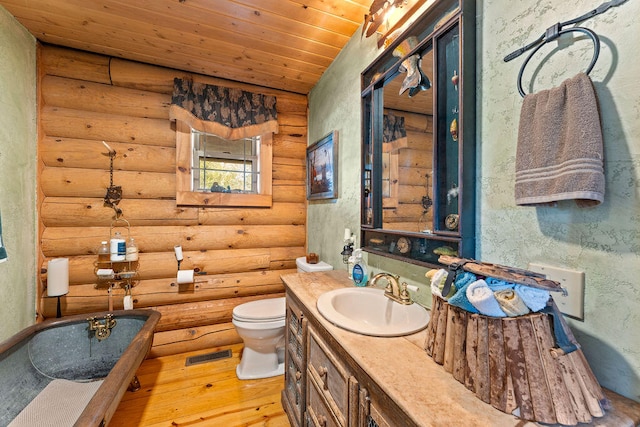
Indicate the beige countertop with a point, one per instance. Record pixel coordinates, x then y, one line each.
421 387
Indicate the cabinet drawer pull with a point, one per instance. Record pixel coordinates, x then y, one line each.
322 420
298 375
323 373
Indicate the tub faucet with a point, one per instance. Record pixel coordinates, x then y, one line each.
102 330
393 290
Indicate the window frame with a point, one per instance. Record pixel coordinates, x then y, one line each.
185 196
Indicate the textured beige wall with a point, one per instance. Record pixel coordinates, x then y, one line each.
604 241
334 104
17 175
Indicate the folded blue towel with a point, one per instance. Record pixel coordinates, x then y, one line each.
534 298
464 279
459 299
482 298
498 285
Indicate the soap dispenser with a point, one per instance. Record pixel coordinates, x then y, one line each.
359 272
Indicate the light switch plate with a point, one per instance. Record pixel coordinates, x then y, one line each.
572 280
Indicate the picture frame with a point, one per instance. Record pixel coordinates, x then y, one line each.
322 168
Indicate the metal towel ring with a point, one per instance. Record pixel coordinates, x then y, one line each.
588 32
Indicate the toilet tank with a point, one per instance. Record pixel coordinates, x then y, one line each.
305 267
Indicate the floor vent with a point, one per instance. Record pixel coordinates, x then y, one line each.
209 357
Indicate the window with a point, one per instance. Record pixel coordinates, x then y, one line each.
224 166
214 171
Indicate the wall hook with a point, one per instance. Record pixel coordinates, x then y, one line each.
114 192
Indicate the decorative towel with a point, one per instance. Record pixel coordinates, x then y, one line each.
498 285
437 284
534 298
481 297
560 154
464 279
511 303
459 299
429 274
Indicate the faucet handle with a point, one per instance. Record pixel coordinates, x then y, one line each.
404 294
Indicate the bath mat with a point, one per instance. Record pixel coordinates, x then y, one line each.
59 404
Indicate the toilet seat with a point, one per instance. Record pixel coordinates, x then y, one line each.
261 311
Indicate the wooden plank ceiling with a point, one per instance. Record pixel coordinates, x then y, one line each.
282 44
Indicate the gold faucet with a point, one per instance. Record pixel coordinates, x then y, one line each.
102 330
393 290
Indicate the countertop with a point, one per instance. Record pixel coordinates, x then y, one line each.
418 385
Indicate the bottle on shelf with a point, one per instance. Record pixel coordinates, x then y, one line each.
131 250
104 254
117 247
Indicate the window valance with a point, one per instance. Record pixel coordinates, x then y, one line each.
227 112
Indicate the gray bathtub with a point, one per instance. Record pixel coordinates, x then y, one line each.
65 353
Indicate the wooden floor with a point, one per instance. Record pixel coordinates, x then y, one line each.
207 394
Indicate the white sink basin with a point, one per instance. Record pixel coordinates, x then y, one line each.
368 312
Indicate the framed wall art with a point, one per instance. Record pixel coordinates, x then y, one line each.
322 168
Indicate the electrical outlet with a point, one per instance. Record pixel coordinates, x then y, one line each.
572 280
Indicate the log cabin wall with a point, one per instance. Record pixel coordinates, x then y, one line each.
87 98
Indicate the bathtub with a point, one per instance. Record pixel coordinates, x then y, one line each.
60 359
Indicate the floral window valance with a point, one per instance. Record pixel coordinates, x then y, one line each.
393 128
227 112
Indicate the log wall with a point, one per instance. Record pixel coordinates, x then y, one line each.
240 252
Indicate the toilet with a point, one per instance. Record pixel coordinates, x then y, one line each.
261 324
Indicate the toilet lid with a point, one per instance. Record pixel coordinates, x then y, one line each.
261 310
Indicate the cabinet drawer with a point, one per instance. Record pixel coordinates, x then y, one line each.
331 376
318 413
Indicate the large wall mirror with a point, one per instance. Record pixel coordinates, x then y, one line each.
419 140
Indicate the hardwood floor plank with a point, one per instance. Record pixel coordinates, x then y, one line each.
207 394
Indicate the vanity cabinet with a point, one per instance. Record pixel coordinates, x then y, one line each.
345 379
332 391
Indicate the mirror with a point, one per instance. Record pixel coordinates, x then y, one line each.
407 152
418 152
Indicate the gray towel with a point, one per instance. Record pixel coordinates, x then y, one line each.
560 154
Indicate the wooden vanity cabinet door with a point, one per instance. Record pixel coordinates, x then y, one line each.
294 393
368 413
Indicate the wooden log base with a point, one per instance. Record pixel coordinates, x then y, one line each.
513 365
